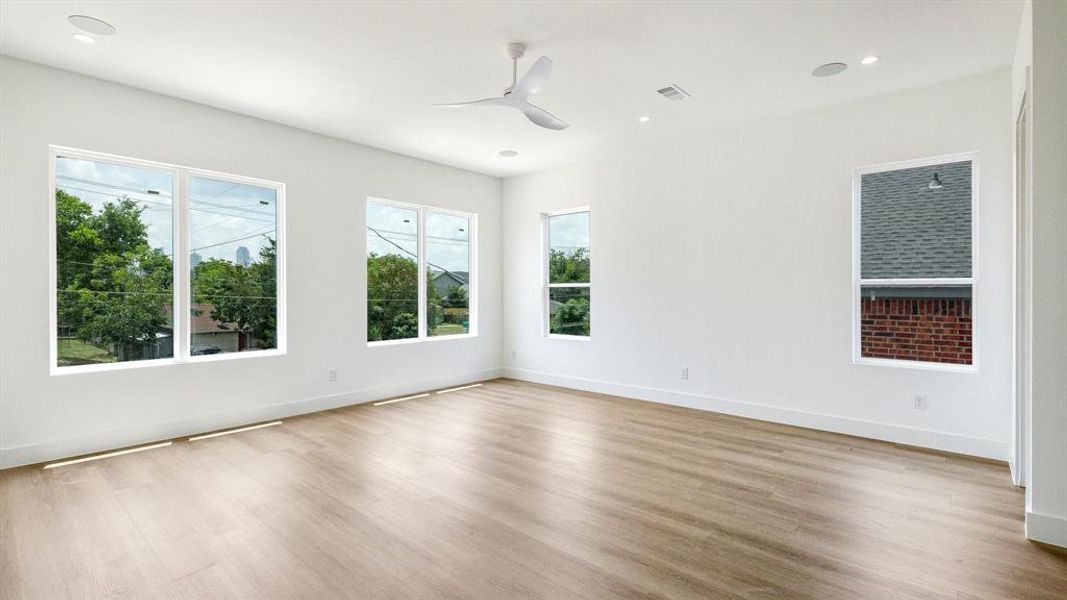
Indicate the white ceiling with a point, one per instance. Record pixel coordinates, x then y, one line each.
367 72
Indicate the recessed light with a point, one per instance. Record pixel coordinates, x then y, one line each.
869 60
829 69
91 25
84 38
508 153
644 119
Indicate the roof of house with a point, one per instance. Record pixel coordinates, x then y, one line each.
451 278
911 231
201 321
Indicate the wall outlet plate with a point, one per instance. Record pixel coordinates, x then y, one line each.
684 374
920 402
332 375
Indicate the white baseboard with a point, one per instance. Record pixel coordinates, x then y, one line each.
121 438
937 440
1046 528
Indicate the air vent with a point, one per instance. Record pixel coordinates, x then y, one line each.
673 92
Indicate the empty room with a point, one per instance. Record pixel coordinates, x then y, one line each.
533 299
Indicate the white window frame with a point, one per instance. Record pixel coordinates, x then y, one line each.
546 286
181 284
858 282
472 276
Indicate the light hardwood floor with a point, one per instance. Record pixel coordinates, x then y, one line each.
515 490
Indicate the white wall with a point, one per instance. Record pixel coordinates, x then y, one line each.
730 254
1046 516
43 417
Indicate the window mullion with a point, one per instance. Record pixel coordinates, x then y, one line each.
421 262
182 338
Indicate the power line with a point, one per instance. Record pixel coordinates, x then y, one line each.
169 205
258 233
406 251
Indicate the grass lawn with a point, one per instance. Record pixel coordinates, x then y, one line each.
76 352
448 329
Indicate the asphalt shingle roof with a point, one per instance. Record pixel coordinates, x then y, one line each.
910 231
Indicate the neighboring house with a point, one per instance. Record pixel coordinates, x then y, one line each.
209 333
443 280
916 224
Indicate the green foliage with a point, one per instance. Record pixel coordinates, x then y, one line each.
113 289
456 297
242 295
569 312
392 297
568 268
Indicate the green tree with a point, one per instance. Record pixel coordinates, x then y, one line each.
569 268
393 298
112 288
243 295
455 297
571 317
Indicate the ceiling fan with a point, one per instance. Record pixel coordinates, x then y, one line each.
516 95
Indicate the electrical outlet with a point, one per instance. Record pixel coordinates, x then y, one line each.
332 375
920 401
685 374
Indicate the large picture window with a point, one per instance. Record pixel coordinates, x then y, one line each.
567 290
420 276
155 263
915 263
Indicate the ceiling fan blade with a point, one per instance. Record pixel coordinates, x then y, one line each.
542 117
534 80
482 102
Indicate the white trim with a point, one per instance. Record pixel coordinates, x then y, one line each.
100 441
547 286
900 434
563 336
930 282
914 364
1022 282
1048 529
421 211
858 281
180 250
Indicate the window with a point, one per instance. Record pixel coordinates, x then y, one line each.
157 264
233 262
404 241
915 263
567 274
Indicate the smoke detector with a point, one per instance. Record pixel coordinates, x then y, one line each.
673 92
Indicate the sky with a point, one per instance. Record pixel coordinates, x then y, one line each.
223 215
569 232
447 235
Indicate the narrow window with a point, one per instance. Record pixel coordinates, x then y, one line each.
404 241
124 277
233 258
447 274
567 282
916 274
114 274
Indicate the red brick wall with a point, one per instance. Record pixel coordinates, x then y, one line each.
917 329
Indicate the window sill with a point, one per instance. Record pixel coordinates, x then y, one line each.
562 336
436 338
160 362
914 364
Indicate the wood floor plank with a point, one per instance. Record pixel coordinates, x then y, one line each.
517 490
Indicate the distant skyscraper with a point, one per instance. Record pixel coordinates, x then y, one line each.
195 258
244 257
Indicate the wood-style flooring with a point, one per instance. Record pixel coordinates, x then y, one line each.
516 490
